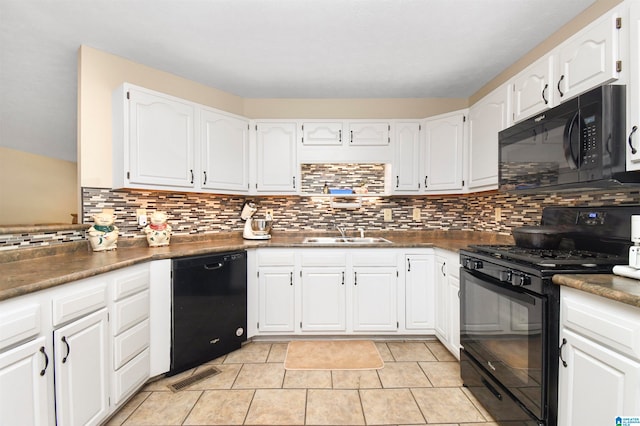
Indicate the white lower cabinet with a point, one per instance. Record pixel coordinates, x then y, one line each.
81 370
323 299
276 299
375 292
419 292
26 380
447 300
340 291
600 344
68 356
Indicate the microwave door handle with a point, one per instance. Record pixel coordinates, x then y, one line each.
568 149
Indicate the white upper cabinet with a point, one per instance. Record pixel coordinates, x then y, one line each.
533 89
633 89
322 133
276 163
224 151
487 117
369 133
345 141
443 156
153 143
589 58
407 170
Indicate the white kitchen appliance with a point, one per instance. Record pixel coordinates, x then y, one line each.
255 229
633 269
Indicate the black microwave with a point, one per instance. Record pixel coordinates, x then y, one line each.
578 144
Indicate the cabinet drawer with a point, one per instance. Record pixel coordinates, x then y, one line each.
79 301
323 258
131 283
130 377
130 343
19 324
610 323
376 257
130 311
275 258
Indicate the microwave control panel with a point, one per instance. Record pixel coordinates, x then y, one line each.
589 148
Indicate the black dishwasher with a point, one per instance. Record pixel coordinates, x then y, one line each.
209 309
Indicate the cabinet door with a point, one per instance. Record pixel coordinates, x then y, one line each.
276 159
443 153
597 385
633 115
161 144
276 299
26 384
224 152
375 299
453 302
531 89
588 59
442 317
374 134
325 133
487 117
419 292
323 299
406 169
81 370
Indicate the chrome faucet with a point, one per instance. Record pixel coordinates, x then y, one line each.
339 228
361 232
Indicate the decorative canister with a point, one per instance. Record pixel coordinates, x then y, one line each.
103 235
158 230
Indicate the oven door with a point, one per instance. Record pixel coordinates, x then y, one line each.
502 329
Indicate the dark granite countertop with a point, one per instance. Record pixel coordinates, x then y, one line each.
28 270
614 287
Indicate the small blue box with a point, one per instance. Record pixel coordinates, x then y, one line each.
340 191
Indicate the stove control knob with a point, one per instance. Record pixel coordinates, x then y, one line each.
506 276
520 280
472 264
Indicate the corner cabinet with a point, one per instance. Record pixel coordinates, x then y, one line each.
599 373
447 300
487 118
153 140
429 155
276 161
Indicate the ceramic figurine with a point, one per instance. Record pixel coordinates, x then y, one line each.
158 230
103 235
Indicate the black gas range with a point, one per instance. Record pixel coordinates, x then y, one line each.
510 310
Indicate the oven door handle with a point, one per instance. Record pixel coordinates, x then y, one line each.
508 291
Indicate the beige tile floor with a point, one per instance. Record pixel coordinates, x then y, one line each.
419 384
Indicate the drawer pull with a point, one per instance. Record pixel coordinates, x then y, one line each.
564 342
64 340
46 361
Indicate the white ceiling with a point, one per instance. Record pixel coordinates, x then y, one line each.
260 48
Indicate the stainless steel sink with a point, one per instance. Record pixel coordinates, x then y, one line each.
345 240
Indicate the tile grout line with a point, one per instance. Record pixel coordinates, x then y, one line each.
192 407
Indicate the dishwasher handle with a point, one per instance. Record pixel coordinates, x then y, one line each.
213 266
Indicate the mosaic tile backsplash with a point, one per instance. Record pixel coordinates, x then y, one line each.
194 213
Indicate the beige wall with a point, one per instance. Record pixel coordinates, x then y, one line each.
591 13
99 74
351 108
41 190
